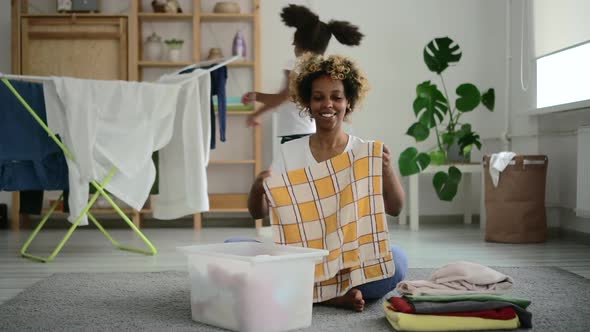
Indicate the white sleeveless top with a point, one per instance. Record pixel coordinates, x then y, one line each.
290 120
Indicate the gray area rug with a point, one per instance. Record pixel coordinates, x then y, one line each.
159 301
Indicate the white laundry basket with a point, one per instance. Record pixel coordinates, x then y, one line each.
249 286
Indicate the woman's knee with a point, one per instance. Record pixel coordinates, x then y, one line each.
400 259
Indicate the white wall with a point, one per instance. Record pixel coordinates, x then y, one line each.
551 134
391 54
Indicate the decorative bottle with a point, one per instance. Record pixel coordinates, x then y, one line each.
239 45
153 47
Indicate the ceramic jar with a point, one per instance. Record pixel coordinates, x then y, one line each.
153 47
214 53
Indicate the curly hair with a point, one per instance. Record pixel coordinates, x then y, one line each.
313 35
311 66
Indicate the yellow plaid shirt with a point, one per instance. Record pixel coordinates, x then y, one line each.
336 205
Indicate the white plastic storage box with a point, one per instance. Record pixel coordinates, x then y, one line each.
250 286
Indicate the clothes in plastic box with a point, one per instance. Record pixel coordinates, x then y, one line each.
249 286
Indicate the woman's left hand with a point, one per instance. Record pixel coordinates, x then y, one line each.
387 170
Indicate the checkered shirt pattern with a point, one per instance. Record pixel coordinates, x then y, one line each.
336 205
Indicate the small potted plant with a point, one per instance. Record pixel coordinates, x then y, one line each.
174 47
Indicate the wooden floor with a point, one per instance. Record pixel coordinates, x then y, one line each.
89 251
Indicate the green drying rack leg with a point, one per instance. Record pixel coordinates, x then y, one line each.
100 191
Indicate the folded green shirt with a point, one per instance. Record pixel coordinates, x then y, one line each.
523 303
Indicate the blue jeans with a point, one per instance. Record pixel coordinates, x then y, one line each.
373 290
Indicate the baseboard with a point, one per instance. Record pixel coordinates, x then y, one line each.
113 221
441 219
580 237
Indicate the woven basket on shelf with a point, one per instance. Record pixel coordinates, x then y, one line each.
226 7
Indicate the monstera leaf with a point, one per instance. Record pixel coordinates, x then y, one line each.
488 99
419 131
439 53
411 162
430 104
467 139
469 97
446 185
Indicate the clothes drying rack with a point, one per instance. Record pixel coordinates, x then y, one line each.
100 187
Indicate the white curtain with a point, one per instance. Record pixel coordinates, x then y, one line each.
559 24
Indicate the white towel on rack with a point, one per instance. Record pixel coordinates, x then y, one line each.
182 163
499 162
110 124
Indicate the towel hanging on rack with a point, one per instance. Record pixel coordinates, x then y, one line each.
110 123
29 159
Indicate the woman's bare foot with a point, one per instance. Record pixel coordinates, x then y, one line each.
353 299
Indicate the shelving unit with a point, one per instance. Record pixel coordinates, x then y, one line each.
131 30
45 44
196 15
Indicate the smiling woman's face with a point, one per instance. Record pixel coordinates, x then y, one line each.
328 103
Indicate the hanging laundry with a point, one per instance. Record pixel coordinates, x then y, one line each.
183 161
29 158
218 83
109 124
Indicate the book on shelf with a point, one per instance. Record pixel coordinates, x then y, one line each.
234 104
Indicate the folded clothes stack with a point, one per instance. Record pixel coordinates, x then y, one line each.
460 296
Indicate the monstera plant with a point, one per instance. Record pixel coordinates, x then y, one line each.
434 112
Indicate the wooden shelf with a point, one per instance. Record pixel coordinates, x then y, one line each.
164 16
227 210
142 20
95 211
211 17
73 15
232 162
239 112
241 64
152 63
155 64
228 203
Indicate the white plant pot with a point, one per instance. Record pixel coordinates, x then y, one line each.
173 54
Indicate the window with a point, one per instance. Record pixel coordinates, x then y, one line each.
563 79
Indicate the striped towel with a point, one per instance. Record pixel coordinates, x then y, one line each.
336 205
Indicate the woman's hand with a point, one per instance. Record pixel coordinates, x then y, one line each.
387 169
249 98
257 205
258 185
393 192
253 120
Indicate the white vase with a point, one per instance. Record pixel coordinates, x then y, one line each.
174 54
153 48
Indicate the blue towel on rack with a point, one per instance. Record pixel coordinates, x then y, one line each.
218 82
29 158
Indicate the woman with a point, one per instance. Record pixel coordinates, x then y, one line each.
311 35
328 90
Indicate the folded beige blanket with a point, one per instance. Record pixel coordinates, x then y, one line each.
459 278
